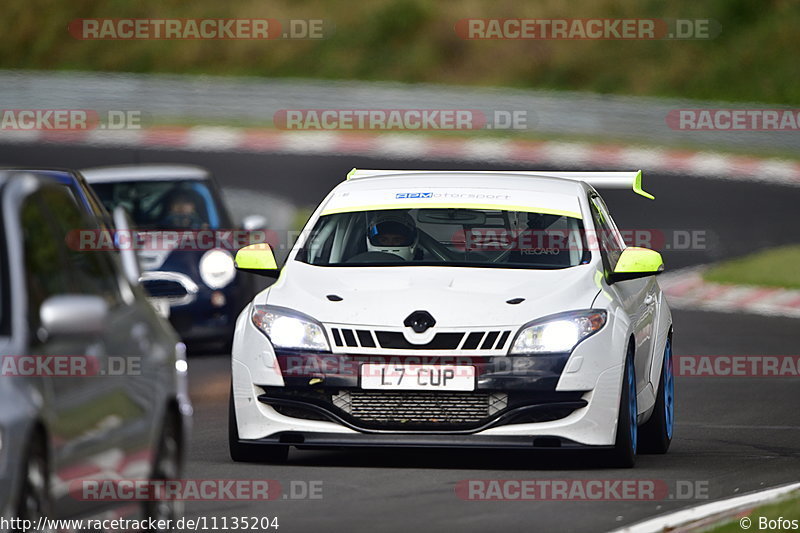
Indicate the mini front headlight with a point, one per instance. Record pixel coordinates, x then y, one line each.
286 328
559 333
217 269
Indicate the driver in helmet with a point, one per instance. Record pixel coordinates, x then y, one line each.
393 233
182 212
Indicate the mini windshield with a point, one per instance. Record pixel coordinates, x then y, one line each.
164 205
446 237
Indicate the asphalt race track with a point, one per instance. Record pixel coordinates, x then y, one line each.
733 435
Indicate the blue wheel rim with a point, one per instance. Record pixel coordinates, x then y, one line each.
669 390
632 406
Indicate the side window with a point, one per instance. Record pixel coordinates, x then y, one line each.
45 258
96 204
92 270
607 233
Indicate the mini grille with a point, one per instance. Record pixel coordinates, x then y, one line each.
163 288
412 407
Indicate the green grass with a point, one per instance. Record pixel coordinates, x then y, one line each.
751 59
79 420
788 509
776 267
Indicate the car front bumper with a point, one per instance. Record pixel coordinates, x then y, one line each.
587 381
594 424
201 321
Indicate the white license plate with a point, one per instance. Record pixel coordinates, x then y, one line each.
417 377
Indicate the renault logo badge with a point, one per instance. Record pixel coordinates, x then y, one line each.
419 321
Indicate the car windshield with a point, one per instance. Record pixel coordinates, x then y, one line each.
446 237
164 204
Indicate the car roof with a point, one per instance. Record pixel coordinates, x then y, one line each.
147 172
61 174
6 173
475 190
471 179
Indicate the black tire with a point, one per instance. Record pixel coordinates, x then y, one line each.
623 455
168 465
34 499
243 452
655 435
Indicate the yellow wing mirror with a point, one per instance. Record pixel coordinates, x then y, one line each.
257 259
637 263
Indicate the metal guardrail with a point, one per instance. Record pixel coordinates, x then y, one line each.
222 99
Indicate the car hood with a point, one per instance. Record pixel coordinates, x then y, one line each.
454 296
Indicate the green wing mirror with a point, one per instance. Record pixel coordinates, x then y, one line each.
637 263
257 259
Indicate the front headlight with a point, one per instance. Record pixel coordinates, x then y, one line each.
217 268
558 333
286 328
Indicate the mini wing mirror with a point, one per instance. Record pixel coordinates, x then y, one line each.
254 223
257 259
73 314
637 263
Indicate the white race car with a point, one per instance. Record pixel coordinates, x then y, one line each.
463 309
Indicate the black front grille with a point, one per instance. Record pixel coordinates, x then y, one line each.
420 408
395 340
164 288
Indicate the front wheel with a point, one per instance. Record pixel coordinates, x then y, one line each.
167 467
624 453
656 434
34 498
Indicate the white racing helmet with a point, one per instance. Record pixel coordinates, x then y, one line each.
393 233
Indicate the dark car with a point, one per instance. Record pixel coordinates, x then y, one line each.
104 224
78 187
184 246
93 380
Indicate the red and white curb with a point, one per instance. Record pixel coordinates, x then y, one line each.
417 146
112 464
702 517
686 289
